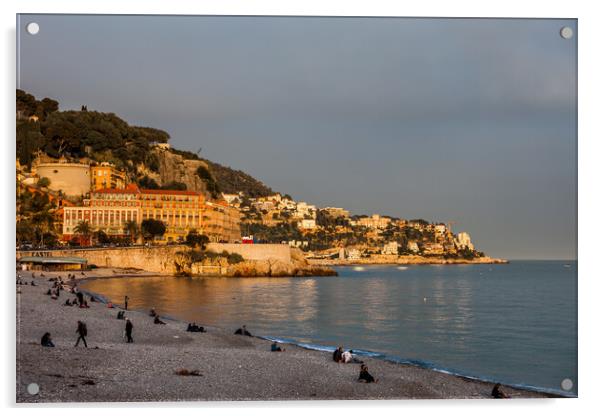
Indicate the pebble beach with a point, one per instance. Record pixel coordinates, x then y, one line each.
230 367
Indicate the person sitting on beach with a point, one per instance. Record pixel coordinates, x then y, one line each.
498 393
92 299
47 340
158 321
74 302
152 312
33 283
276 348
337 355
348 357
121 315
243 331
68 302
49 292
193 327
80 297
365 376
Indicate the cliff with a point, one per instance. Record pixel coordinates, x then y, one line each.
175 168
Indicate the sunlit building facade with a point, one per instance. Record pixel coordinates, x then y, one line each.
110 210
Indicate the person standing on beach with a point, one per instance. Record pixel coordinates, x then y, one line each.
82 330
128 330
126 302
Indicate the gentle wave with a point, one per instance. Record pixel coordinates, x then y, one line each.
417 363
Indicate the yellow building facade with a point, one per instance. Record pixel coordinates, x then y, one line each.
105 176
110 210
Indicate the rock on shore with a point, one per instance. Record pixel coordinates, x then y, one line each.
232 367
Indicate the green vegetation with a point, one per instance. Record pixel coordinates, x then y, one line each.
44 182
81 133
152 228
83 230
210 182
197 256
194 239
35 219
132 230
231 181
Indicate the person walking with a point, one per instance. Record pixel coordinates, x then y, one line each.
126 302
82 332
128 330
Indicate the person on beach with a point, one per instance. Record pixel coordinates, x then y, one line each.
47 340
276 348
337 355
158 320
82 332
193 327
68 302
243 331
128 330
498 393
365 376
348 357
126 302
121 315
84 304
80 297
152 312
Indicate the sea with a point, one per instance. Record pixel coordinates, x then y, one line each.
512 323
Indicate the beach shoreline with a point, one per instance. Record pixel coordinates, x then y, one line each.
232 367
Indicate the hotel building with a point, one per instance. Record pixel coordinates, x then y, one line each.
110 210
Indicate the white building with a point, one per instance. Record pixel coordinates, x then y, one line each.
307 224
391 248
354 254
413 246
463 241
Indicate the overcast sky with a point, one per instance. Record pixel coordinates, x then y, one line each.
472 121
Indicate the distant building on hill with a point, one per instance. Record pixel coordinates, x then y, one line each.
307 224
72 179
463 241
374 222
335 212
105 175
391 248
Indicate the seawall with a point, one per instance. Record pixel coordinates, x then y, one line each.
162 259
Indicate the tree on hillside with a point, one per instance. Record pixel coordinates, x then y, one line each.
152 228
84 230
212 186
44 182
194 239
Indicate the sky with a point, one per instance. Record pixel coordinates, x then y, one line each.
464 120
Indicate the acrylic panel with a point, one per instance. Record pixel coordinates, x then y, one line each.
217 208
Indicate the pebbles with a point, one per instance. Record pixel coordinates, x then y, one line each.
223 366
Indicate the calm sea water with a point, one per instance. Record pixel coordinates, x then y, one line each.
514 323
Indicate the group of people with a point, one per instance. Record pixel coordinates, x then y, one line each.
193 327
341 356
157 319
79 300
243 331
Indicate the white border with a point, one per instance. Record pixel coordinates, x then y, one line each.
589 187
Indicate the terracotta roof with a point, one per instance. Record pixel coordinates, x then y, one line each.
168 192
130 189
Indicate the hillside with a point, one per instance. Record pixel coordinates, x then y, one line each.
104 137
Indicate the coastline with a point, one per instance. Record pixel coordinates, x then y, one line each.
393 260
232 367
